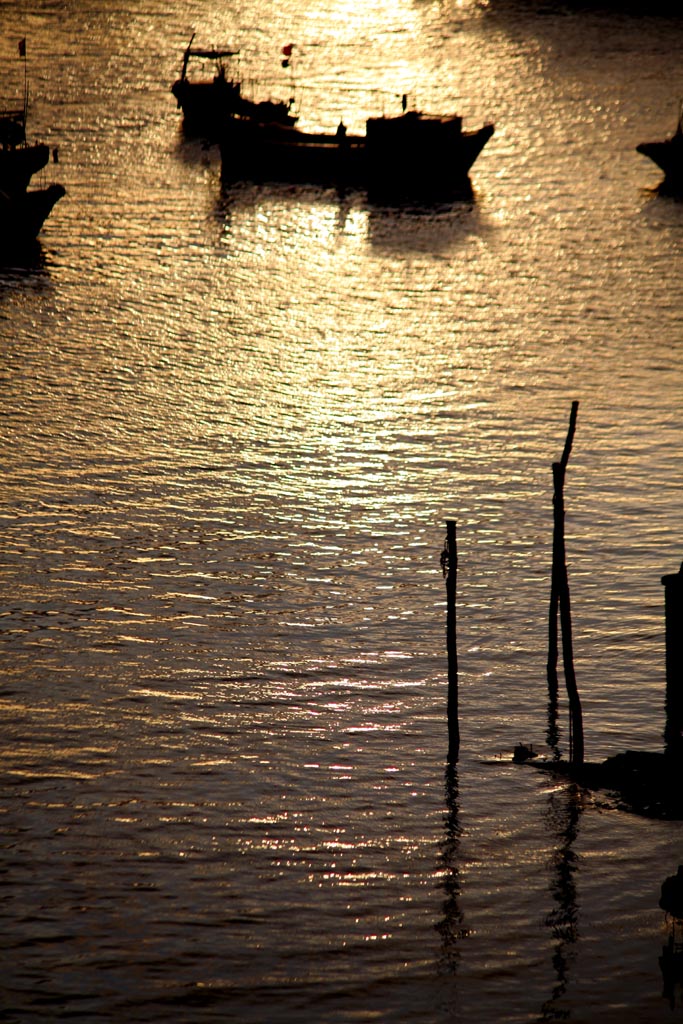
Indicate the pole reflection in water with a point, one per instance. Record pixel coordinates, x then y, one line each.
563 813
552 736
451 927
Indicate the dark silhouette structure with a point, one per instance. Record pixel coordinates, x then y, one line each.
207 102
673 612
410 157
667 154
647 782
23 210
671 960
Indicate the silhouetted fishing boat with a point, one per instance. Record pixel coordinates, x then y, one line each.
206 103
412 156
23 211
668 155
19 160
23 214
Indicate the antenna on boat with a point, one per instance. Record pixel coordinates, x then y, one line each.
22 54
186 55
287 63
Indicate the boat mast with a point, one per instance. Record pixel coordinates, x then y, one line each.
22 54
186 56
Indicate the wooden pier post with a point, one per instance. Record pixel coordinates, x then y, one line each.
673 611
559 599
449 564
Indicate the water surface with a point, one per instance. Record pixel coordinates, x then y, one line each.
234 423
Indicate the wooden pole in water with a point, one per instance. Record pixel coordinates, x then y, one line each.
558 558
449 564
673 609
551 666
560 598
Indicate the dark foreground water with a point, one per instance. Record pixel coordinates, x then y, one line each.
233 426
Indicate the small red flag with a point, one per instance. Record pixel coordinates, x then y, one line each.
22 47
287 50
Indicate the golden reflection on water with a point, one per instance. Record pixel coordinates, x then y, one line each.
235 424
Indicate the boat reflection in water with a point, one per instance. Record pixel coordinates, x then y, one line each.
412 156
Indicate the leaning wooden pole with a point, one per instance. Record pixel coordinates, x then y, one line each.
449 564
551 666
558 558
560 599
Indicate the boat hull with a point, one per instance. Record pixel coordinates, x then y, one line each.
668 156
399 158
22 216
266 153
17 166
422 157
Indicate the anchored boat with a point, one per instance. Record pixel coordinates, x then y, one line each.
23 210
668 155
19 159
206 103
22 215
412 156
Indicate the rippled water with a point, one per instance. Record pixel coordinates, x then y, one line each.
233 426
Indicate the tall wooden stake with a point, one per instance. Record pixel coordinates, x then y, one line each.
449 564
673 607
559 597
